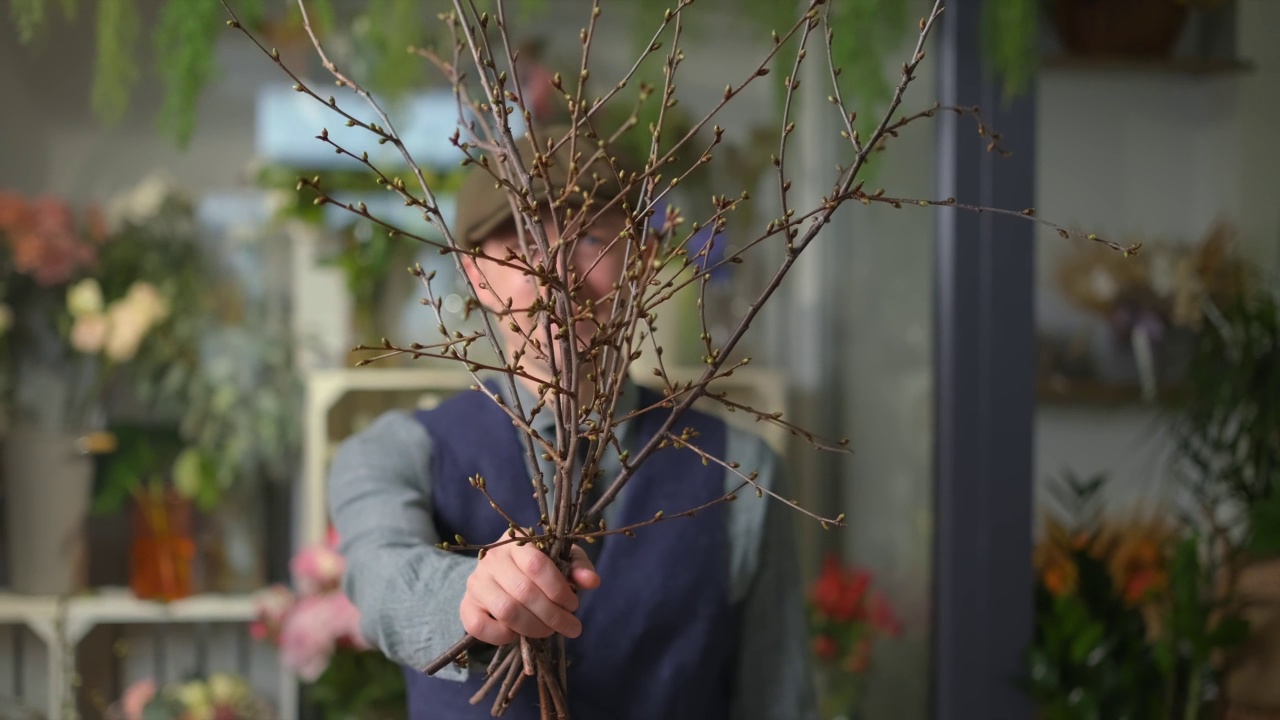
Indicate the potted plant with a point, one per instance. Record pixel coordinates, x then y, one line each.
108 313
1130 619
847 618
1227 436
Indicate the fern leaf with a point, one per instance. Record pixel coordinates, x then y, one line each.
116 69
185 42
28 16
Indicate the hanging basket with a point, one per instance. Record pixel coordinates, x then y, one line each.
1133 29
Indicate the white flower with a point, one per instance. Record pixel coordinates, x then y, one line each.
195 697
141 203
226 690
149 302
1162 274
84 298
89 333
131 317
1102 285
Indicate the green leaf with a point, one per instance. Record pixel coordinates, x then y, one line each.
1009 43
28 16
1086 642
1230 631
185 42
116 69
1264 524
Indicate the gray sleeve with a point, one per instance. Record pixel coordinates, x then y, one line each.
407 590
774 677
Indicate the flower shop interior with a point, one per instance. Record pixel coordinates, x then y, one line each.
1057 499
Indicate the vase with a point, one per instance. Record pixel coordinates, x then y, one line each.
1119 28
838 693
48 482
162 555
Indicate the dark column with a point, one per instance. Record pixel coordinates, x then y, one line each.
985 401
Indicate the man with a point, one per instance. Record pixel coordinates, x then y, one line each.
696 617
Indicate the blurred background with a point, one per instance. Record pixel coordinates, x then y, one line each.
1060 493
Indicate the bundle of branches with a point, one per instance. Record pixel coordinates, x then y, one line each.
577 350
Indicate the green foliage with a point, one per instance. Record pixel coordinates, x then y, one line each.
185 40
116 68
242 411
1089 659
1227 422
866 32
360 685
392 27
28 16
1264 526
1009 36
1097 654
144 460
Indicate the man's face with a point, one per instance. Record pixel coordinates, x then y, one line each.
597 260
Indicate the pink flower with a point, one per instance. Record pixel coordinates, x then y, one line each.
273 604
317 569
318 626
136 697
46 243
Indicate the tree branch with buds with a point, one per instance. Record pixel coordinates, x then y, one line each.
573 348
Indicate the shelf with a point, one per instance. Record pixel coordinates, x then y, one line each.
81 613
1192 66
1096 394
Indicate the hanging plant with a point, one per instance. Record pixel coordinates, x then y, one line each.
868 33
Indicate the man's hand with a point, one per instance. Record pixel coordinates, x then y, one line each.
517 590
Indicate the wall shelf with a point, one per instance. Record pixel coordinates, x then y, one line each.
1188 66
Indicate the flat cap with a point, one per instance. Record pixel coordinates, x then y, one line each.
483 205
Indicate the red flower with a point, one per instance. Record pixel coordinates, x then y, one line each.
839 593
883 617
824 647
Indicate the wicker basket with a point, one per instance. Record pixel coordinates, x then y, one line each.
1253 678
1119 28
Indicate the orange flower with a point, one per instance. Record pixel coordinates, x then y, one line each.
1060 577
1141 584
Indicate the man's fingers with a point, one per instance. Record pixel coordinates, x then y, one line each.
581 570
538 616
536 566
496 598
481 626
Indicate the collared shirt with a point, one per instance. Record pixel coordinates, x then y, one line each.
408 591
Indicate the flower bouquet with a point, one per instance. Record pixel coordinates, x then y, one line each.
847 618
1130 621
318 632
220 697
1151 303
